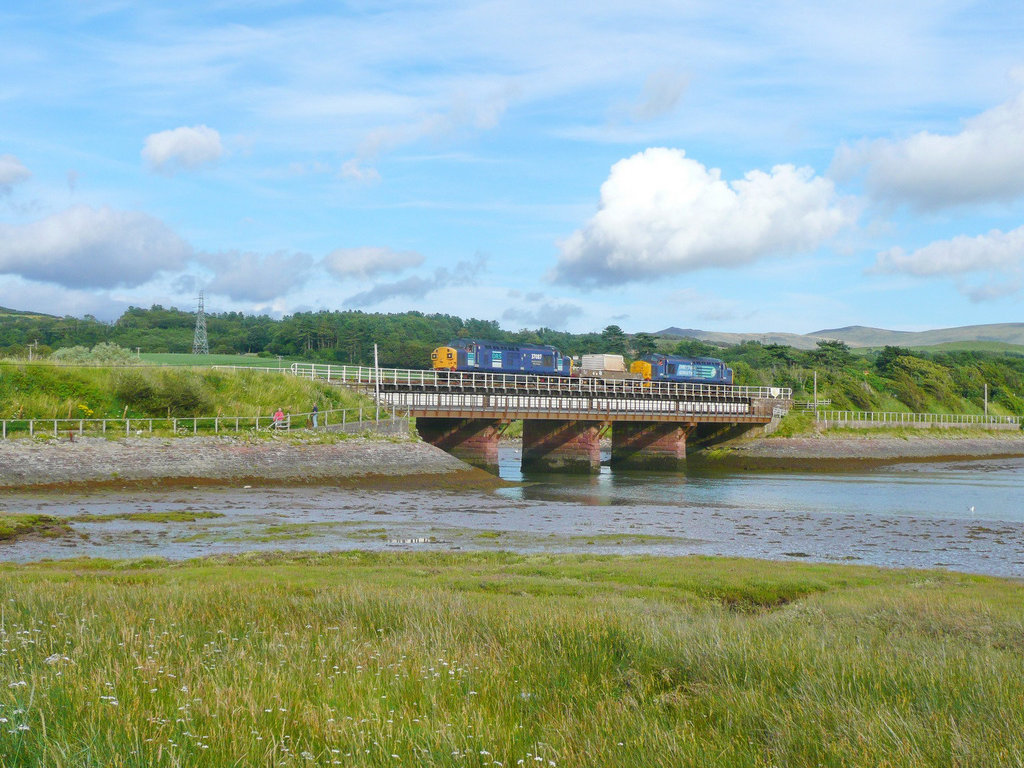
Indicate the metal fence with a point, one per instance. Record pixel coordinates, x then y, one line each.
895 419
330 419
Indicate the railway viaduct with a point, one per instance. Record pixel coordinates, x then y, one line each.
463 413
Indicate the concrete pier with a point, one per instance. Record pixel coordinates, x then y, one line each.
561 446
649 446
475 441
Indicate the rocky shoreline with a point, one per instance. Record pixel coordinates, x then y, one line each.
836 452
360 462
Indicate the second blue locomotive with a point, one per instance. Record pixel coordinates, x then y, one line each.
684 370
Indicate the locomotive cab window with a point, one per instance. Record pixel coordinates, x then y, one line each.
547 360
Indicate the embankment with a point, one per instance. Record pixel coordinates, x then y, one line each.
95 462
843 451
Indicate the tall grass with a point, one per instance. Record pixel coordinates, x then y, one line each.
498 659
46 391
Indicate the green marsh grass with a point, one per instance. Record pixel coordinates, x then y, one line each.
386 659
55 392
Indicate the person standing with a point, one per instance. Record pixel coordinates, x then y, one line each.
316 413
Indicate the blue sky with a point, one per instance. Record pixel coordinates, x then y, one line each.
767 166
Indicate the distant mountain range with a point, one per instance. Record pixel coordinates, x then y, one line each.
863 336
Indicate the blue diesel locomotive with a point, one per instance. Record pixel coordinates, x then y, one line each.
686 370
497 357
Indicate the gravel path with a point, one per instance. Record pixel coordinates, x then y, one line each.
92 461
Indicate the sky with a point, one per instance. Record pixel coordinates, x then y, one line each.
747 167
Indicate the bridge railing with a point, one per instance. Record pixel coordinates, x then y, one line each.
365 376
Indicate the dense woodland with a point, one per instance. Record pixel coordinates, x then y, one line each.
889 379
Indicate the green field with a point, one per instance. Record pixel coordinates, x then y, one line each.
498 659
246 361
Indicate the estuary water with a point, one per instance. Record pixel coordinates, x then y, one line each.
966 516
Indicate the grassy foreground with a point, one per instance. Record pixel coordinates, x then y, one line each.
500 659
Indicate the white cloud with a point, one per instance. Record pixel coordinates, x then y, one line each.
465 115
662 213
662 93
463 274
981 163
997 256
182 148
365 262
11 172
83 247
546 314
995 251
247 276
354 170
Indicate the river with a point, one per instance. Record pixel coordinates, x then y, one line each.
966 516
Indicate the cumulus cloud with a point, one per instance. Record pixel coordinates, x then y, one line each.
247 276
662 94
367 262
462 274
996 250
182 148
11 172
998 255
83 247
983 162
548 314
662 213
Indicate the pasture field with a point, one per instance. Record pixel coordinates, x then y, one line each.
202 361
455 659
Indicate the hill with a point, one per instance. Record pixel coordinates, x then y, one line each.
865 336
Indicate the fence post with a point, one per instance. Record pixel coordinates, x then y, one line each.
174 425
195 427
31 427
5 429
127 426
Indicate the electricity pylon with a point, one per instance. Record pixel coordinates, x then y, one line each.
200 346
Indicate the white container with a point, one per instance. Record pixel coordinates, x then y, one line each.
603 363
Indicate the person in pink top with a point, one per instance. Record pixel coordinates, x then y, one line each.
278 418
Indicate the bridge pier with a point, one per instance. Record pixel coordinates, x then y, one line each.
652 446
551 445
475 441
